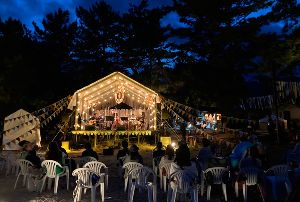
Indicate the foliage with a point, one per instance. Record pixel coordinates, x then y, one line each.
202 64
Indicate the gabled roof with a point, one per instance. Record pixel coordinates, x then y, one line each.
105 89
116 75
19 113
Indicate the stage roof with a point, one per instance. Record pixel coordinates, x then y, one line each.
112 90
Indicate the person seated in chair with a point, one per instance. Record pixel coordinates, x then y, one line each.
123 152
158 153
33 158
205 154
89 151
169 155
55 154
239 152
134 155
252 160
183 161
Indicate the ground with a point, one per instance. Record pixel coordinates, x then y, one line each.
115 192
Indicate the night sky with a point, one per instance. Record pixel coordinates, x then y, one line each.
34 10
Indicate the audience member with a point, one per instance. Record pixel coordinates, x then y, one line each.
89 151
169 155
205 154
239 151
252 160
158 152
55 154
134 155
124 151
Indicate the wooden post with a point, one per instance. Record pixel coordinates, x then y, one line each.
128 137
76 138
95 141
76 114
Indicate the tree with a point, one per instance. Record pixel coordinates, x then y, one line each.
16 66
56 44
220 36
144 46
98 40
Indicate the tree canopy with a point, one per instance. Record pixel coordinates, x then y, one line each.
203 63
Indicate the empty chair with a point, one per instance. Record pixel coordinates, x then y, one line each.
281 172
164 175
181 182
54 170
251 178
217 175
127 167
24 166
86 180
100 168
142 178
83 160
11 163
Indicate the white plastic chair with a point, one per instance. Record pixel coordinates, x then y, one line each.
217 174
181 182
142 178
120 163
251 176
127 167
11 163
280 171
80 161
51 173
155 167
100 168
24 165
164 175
84 181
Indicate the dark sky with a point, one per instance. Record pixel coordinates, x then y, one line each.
34 10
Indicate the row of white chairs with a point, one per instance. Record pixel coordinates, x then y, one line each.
138 176
251 176
100 169
50 166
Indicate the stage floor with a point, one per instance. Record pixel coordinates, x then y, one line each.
111 132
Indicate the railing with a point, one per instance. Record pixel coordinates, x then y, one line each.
173 133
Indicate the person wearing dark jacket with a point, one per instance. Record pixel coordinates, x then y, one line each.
124 151
55 154
158 153
89 151
34 159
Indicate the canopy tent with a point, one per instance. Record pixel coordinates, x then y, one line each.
21 125
115 89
